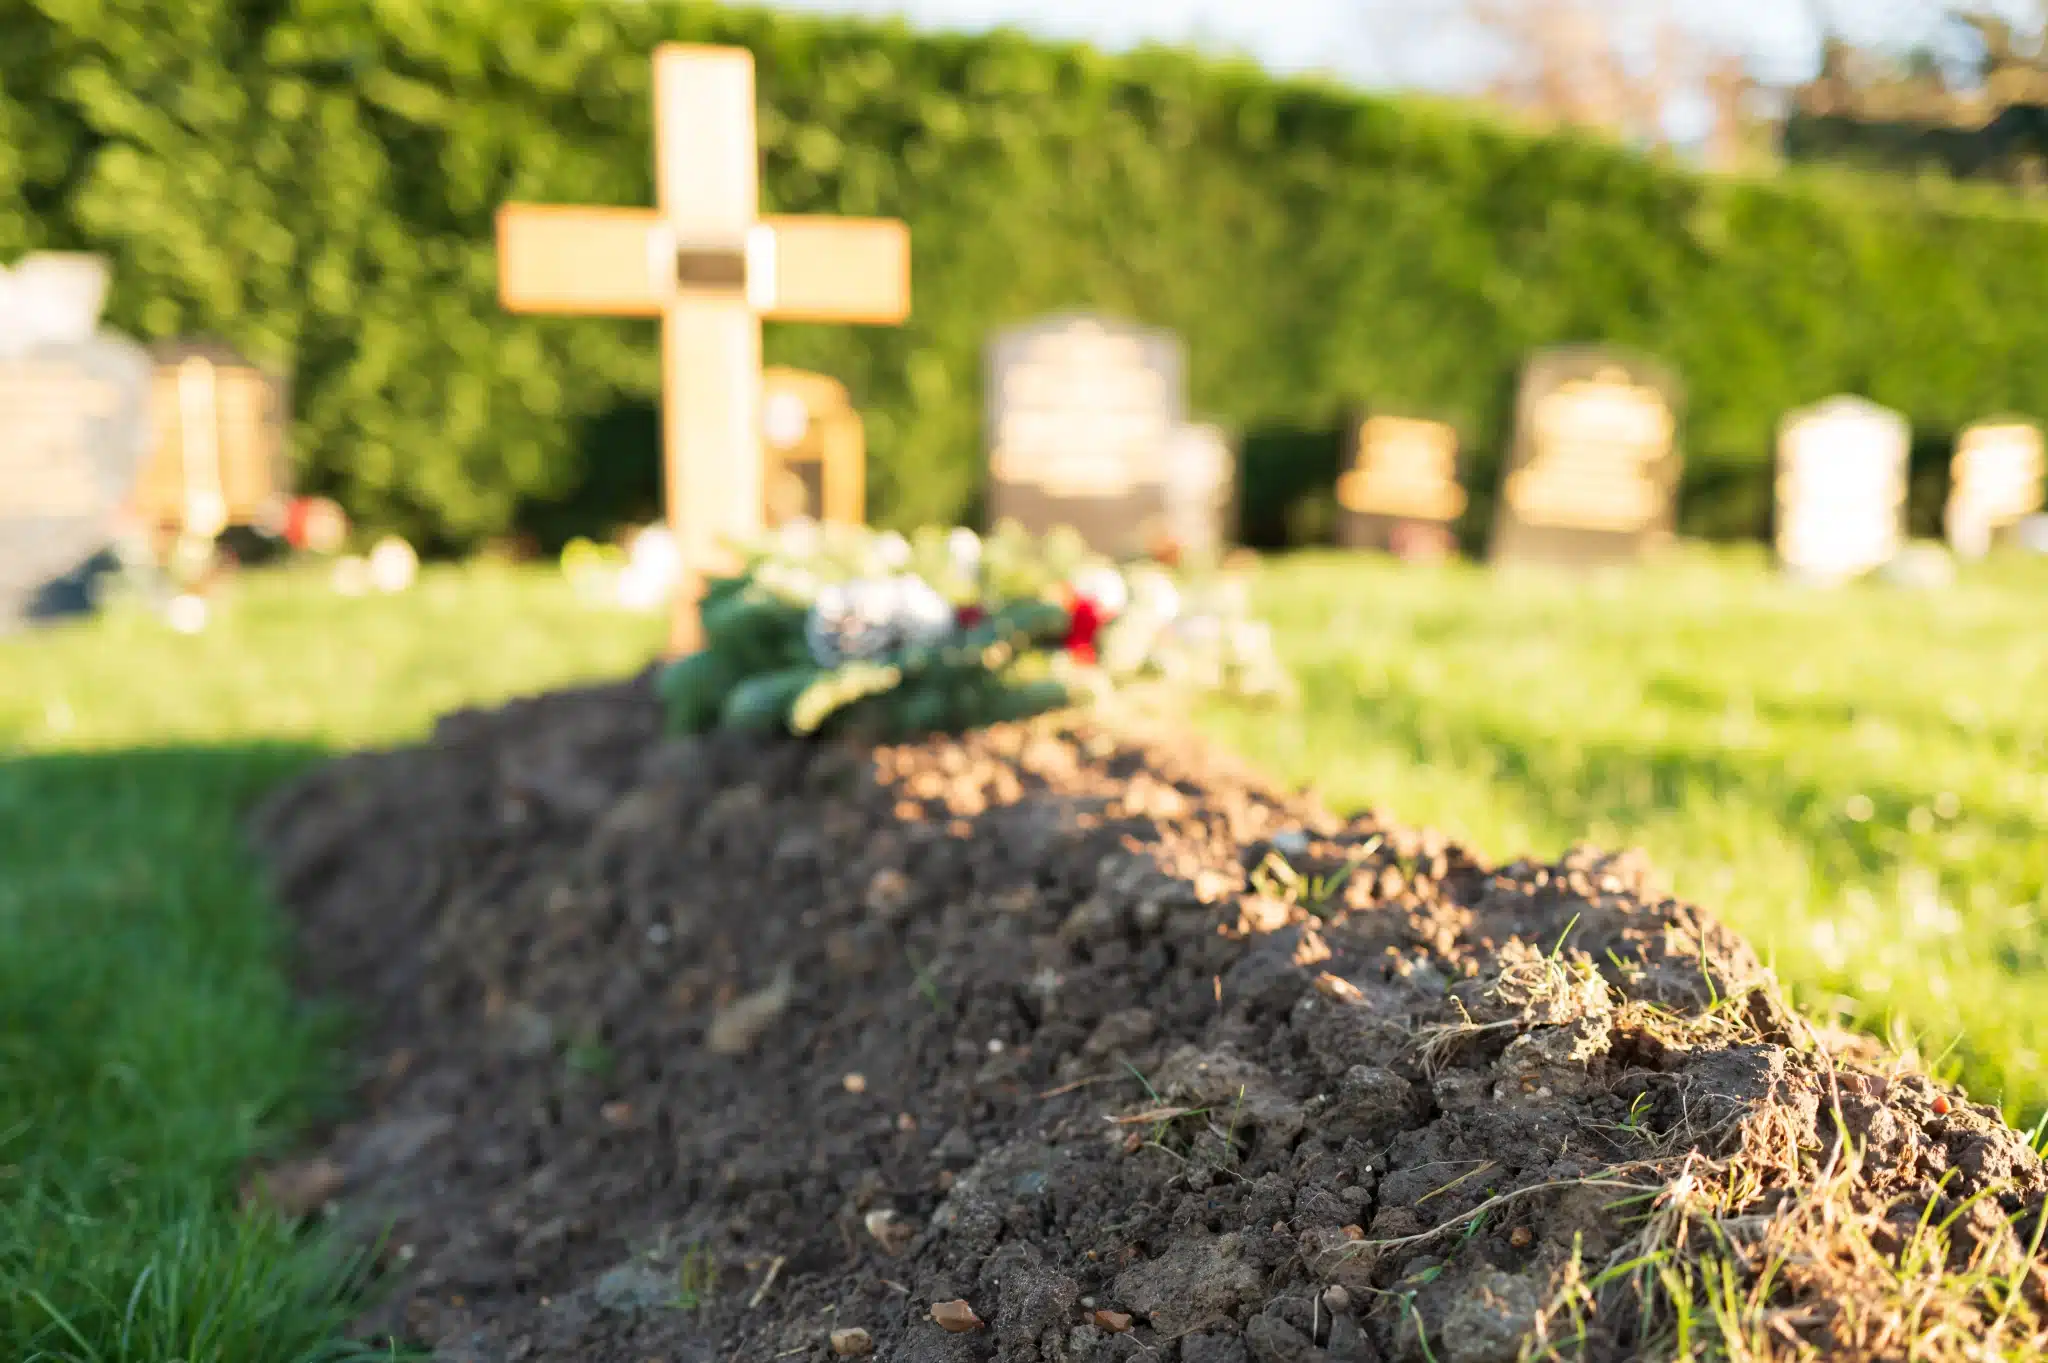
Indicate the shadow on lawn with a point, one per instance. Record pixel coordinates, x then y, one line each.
150 1047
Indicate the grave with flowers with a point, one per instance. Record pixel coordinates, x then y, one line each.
840 630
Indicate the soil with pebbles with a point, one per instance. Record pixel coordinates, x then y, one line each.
729 1049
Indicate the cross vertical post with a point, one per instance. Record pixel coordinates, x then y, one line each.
711 270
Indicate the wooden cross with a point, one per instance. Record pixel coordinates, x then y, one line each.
711 269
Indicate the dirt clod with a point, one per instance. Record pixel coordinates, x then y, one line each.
1415 1117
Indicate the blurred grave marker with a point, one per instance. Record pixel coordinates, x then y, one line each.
1400 492
1087 427
74 431
1994 483
220 451
1841 489
815 449
711 268
1199 471
1593 474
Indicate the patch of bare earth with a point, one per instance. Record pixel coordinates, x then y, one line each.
1043 1046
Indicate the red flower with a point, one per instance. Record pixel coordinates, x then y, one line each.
969 615
1084 622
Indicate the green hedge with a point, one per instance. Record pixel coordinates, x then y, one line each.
315 180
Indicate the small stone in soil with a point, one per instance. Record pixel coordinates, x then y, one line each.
742 1022
955 1317
855 1083
1521 1237
891 1233
1337 1299
852 1343
1116 1322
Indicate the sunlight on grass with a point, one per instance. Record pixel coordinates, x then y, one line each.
1853 779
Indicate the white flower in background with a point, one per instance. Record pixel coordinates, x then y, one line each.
1153 594
799 537
393 565
654 551
654 564
788 581
1103 585
892 551
187 613
963 550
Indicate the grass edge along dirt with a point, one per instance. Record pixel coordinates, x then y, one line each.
149 1047
150 1043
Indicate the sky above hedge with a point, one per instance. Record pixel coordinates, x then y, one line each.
1391 41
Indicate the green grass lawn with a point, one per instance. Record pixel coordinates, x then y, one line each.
1855 779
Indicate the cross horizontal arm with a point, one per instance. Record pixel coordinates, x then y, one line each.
593 262
840 270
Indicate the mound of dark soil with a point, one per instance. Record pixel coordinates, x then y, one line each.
1094 1050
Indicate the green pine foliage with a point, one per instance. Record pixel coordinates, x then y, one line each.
315 181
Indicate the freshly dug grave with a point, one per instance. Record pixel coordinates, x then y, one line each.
1093 1050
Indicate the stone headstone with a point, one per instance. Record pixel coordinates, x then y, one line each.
1083 415
1400 490
74 431
1841 490
1994 484
220 457
814 447
1593 473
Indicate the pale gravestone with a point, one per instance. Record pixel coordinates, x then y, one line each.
1593 474
1200 474
1994 484
1084 415
220 456
815 449
711 268
1841 489
74 431
1400 492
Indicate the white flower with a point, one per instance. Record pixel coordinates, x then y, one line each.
924 616
654 549
963 547
892 550
1104 586
393 565
799 538
1153 594
187 613
869 617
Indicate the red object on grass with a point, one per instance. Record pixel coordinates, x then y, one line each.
968 616
1084 622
